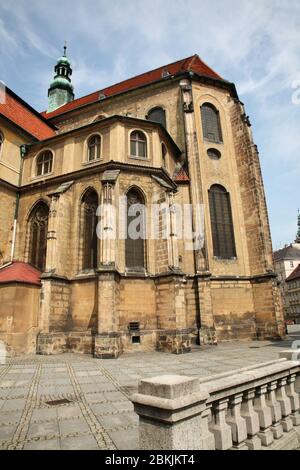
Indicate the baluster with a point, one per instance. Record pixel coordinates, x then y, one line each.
208 439
264 415
297 384
237 423
252 422
285 405
294 398
275 410
219 427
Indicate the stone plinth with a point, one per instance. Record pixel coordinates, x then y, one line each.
174 341
51 343
107 346
169 409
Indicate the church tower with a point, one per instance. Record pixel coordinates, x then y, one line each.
61 90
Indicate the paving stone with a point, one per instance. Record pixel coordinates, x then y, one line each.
114 396
68 426
95 397
118 420
128 440
43 429
103 408
91 388
44 414
101 383
13 404
123 405
10 417
79 443
52 444
7 432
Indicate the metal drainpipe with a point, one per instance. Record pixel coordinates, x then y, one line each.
22 154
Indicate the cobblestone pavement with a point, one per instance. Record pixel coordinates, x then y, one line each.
91 408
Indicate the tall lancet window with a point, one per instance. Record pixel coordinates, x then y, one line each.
89 208
211 124
221 222
38 226
136 231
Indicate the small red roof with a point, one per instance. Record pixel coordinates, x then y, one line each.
295 274
192 64
21 114
181 176
18 271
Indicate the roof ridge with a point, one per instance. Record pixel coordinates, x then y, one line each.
192 63
294 273
131 78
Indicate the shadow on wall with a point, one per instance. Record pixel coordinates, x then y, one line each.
3 353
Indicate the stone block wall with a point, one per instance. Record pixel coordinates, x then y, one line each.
7 204
19 316
137 303
56 292
233 309
268 309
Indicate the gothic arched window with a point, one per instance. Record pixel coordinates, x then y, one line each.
38 226
211 125
44 163
89 221
136 231
138 144
94 147
157 115
221 222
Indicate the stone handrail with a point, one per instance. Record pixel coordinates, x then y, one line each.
256 407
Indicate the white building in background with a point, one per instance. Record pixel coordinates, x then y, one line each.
293 295
286 261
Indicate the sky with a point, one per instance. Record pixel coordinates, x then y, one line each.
254 44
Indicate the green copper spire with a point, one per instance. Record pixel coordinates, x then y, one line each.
61 90
298 232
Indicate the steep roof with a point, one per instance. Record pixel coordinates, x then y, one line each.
21 272
181 176
295 274
190 64
25 117
289 252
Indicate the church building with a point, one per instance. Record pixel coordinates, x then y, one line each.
176 136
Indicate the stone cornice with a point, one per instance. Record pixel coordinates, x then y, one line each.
101 167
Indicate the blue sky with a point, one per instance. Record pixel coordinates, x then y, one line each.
254 44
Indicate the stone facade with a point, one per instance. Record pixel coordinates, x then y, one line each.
286 260
181 296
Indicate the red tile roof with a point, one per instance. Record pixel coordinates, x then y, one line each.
192 64
18 271
21 114
181 176
295 274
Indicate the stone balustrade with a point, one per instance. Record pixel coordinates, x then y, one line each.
252 408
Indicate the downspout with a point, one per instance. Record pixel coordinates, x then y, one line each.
22 154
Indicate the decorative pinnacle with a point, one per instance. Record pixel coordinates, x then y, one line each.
65 48
298 231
